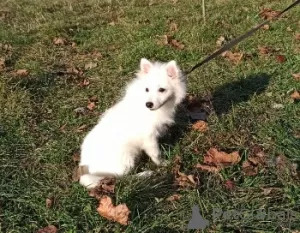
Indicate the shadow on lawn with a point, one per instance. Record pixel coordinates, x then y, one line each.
223 98
229 94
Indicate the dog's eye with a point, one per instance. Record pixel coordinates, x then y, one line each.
147 89
161 89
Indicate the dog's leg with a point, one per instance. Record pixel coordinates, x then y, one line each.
152 150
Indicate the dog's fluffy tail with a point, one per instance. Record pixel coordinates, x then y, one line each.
90 181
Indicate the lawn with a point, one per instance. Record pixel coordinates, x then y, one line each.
55 56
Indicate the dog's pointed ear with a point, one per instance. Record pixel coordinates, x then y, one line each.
172 69
145 65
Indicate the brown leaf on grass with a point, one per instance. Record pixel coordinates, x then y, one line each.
186 181
280 58
174 197
105 186
229 184
119 213
76 157
84 83
177 44
49 203
48 229
266 27
264 50
199 108
90 65
182 180
256 159
221 40
91 106
208 168
295 95
217 158
289 29
268 13
297 36
173 27
62 128
2 64
176 164
60 41
249 169
81 128
235 58
296 76
22 72
93 99
168 40
201 126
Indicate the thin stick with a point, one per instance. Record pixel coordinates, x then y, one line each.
203 10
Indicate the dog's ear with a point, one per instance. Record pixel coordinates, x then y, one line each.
172 69
145 65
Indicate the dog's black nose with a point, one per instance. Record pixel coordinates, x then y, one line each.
149 104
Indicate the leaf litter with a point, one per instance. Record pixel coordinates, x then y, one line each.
216 160
119 213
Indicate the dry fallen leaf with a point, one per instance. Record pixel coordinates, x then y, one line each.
198 109
268 13
119 213
174 197
90 65
84 83
76 157
168 40
280 58
81 128
93 99
235 58
221 40
215 160
216 157
295 95
229 184
2 64
104 187
249 169
201 126
289 29
91 106
296 76
173 27
208 168
49 202
22 72
266 27
176 44
59 41
186 181
297 36
48 229
256 159
264 50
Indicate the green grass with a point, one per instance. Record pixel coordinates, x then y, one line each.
36 156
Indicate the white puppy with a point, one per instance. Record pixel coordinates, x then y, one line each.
134 124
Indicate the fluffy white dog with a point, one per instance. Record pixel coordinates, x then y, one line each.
134 124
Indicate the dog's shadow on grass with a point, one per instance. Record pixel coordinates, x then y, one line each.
230 94
223 98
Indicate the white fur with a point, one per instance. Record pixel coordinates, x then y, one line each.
127 128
